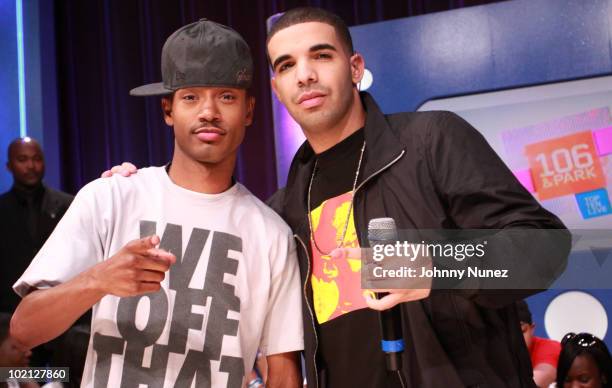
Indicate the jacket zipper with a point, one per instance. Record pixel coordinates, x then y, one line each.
314 329
398 157
392 162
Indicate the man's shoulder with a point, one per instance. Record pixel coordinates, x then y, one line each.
58 195
431 127
122 186
276 200
4 197
426 121
7 202
262 210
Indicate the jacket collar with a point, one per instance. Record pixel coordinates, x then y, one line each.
382 146
382 143
24 195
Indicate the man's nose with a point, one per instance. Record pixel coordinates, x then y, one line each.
306 74
209 111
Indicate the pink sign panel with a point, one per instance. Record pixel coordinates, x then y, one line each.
524 176
603 140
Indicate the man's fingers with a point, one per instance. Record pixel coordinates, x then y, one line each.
161 254
384 303
151 276
127 166
143 244
346 253
395 297
127 169
147 287
153 263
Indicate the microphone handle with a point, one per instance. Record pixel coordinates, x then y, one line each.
392 338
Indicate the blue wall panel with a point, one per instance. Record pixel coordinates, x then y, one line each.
9 86
40 84
482 48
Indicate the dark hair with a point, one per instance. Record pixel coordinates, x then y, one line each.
312 14
524 315
574 345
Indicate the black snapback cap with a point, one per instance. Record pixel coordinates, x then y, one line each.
203 53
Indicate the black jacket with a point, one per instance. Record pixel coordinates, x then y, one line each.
17 246
432 170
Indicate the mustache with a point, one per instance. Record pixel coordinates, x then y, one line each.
208 125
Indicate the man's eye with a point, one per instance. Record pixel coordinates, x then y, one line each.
189 97
284 67
323 56
228 97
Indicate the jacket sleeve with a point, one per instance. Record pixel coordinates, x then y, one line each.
480 192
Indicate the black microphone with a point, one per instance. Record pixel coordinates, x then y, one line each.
382 231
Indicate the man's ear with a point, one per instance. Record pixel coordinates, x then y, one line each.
357 67
250 109
273 85
166 106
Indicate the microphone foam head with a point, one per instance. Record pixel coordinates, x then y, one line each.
382 229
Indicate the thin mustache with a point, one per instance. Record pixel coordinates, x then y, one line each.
207 126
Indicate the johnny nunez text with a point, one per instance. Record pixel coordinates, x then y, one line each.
425 272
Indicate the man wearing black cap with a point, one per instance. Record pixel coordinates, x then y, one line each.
193 306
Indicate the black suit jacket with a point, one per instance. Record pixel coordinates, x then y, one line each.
17 246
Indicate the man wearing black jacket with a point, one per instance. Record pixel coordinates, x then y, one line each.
30 211
428 170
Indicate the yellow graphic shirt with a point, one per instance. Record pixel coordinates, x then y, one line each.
336 284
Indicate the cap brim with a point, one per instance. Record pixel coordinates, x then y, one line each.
156 89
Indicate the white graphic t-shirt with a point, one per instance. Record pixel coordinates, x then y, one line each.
234 289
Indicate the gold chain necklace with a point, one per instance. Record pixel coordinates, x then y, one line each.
348 217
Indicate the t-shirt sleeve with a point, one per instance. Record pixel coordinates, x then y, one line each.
75 244
283 331
546 352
